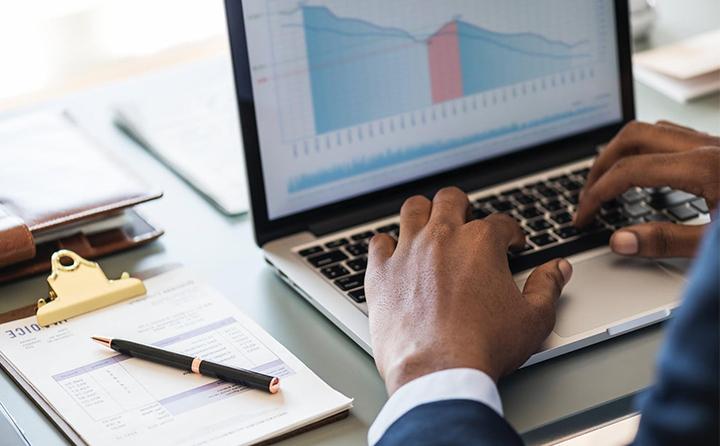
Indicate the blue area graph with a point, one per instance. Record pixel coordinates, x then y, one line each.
364 165
356 76
360 72
490 60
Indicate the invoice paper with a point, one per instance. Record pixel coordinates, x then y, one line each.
109 398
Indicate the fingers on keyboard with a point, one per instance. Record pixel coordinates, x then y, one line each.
544 209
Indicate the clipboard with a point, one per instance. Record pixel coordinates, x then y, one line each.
28 389
104 294
76 280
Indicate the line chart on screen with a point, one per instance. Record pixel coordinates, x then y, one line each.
352 95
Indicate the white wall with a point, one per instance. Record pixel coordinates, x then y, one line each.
43 42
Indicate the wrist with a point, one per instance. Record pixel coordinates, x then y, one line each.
405 370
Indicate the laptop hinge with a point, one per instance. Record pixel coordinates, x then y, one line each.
495 172
348 219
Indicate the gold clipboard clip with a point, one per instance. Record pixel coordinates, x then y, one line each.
78 286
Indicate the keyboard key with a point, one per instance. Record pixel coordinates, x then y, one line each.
525 199
637 210
362 235
660 200
358 295
509 192
487 199
538 225
558 177
335 271
479 213
513 214
700 205
358 249
634 195
516 251
593 226
656 217
610 205
554 206
573 198
359 264
547 192
327 259
534 185
337 243
310 251
538 257
388 228
501 205
683 213
351 282
567 232
615 218
582 172
562 218
570 185
658 190
543 239
530 212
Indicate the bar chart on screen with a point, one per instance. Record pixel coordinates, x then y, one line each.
366 93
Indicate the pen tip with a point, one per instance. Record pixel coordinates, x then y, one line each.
101 340
275 385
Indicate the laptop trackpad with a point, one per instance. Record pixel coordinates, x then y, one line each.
608 288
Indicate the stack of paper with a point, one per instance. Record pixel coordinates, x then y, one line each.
191 124
683 71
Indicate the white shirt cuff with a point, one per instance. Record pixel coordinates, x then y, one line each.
452 384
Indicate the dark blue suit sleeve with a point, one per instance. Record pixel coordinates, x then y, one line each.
451 422
682 406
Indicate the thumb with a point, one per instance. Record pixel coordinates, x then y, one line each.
543 287
657 240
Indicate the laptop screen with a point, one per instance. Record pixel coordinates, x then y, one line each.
356 96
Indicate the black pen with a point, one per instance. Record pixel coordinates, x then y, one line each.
243 377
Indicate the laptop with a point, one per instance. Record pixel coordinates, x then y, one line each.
348 108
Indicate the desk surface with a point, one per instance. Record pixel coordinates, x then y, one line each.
225 255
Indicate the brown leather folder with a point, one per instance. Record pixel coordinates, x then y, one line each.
54 181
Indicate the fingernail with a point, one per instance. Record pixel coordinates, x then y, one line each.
625 243
566 270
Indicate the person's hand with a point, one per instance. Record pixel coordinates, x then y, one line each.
444 297
646 155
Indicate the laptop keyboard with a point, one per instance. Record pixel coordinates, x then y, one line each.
543 209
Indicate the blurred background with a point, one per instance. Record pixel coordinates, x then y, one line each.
46 43
67 44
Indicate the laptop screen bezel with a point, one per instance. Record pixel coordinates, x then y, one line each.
365 207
